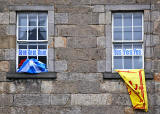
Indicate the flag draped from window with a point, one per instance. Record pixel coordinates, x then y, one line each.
135 82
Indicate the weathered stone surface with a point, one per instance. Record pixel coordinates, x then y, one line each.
9 54
108 17
98 8
128 110
112 1
12 17
82 66
46 87
79 76
60 99
157 77
60 42
157 97
60 66
4 18
102 110
61 110
101 42
157 87
3 87
3 76
61 18
31 99
114 87
102 18
6 100
81 42
4 66
80 54
5 110
121 100
91 99
157 52
11 30
101 66
83 30
76 87
18 110
73 8
80 18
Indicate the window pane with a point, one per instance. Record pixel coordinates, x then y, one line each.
42 19
127 49
42 34
21 59
137 47
117 33
22 20
43 59
22 46
117 49
42 46
118 62
32 19
137 33
32 46
32 57
117 19
128 33
32 33
22 33
137 19
137 62
127 19
127 62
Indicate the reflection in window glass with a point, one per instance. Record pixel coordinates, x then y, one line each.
138 62
118 62
127 62
42 34
127 19
137 19
117 19
128 33
117 33
22 33
32 19
42 19
32 33
22 20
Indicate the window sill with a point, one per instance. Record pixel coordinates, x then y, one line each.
108 75
46 75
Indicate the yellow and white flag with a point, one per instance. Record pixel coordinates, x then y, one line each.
135 82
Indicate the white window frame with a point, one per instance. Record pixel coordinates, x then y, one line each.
127 41
36 42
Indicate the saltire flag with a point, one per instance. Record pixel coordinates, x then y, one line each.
135 82
32 66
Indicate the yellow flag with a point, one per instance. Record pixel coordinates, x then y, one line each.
135 82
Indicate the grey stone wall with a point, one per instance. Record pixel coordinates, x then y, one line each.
80 52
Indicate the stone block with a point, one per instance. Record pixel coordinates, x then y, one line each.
4 42
108 36
101 66
72 8
81 42
101 42
102 18
121 100
60 42
157 77
61 18
98 8
157 97
114 87
147 15
102 110
51 17
79 76
108 18
91 99
11 30
51 54
6 100
12 42
3 30
5 110
12 65
60 66
3 76
51 31
80 54
157 86
60 99
83 30
155 40
46 87
4 66
156 52
80 18
9 54
112 1
31 99
148 65
95 18
4 18
69 87
51 66
148 40
12 17
128 110
148 52
33 110
109 59
82 66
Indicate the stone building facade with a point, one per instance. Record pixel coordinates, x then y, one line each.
80 78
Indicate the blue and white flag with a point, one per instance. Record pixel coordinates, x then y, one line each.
32 66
